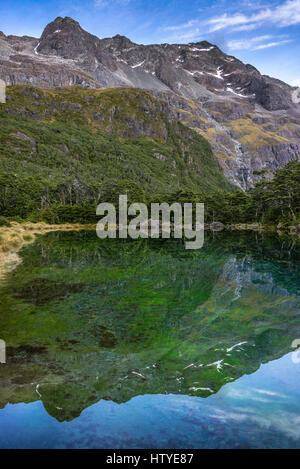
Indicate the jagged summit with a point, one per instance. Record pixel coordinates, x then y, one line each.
204 44
66 38
122 41
193 70
66 25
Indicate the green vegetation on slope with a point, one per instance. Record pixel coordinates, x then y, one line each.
64 150
60 147
269 202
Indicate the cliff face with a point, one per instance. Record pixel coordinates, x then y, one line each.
247 139
250 119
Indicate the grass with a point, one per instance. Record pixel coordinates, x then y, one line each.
18 235
253 135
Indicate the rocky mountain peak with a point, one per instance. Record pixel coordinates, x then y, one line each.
122 41
66 38
188 69
203 44
65 25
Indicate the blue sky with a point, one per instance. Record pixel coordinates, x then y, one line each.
263 33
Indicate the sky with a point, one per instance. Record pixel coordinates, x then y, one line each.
263 33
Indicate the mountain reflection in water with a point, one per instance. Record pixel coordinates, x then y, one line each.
86 320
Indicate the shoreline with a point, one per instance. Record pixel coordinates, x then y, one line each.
14 237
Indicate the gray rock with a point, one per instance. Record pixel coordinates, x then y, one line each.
216 226
249 118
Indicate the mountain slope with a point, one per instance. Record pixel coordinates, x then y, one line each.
250 119
62 146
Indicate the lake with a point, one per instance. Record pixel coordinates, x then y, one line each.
143 344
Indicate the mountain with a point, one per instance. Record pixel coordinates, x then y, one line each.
62 146
250 119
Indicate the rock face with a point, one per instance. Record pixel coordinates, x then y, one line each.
250 119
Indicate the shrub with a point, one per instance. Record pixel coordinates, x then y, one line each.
4 221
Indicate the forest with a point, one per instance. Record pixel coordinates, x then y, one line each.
270 202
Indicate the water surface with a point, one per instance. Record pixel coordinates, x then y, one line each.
133 344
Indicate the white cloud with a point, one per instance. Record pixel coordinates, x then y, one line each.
245 27
257 43
225 21
189 24
105 3
251 17
272 44
182 37
286 14
247 43
101 3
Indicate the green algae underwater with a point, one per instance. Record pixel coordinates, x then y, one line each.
86 320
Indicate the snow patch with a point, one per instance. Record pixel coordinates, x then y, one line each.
194 72
218 365
35 49
193 365
237 94
235 346
202 50
138 374
138 65
218 74
201 389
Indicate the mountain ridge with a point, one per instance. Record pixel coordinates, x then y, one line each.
250 119
64 38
